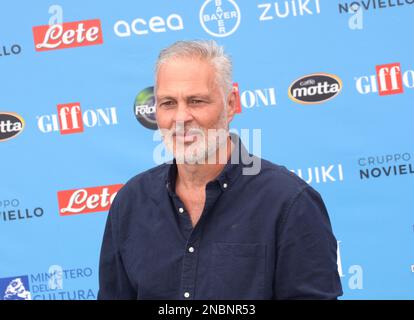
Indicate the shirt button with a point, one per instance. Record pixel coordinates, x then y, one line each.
186 295
191 249
181 210
224 185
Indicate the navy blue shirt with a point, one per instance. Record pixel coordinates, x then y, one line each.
262 236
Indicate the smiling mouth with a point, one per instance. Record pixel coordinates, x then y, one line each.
186 138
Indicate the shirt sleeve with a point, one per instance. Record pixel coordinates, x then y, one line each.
113 279
306 257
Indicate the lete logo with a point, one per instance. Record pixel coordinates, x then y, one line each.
87 200
68 35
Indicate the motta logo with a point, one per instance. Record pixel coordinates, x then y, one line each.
315 88
388 80
87 200
11 125
68 35
70 119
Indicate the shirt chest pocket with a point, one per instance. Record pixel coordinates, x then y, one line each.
237 270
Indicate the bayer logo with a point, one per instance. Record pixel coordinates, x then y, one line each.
220 18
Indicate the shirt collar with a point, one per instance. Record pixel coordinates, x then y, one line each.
227 176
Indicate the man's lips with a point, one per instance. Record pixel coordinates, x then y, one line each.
188 137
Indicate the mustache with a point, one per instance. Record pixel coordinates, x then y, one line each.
185 131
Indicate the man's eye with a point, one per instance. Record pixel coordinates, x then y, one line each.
167 104
195 101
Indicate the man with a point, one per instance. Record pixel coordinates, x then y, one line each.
203 228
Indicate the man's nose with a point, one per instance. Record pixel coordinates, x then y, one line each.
183 113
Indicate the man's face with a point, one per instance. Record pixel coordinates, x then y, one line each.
189 105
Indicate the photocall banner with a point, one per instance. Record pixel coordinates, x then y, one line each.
326 88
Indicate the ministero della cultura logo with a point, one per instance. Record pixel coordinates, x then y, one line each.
220 18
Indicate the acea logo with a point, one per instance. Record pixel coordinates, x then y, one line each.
11 125
15 288
220 18
144 108
140 26
315 88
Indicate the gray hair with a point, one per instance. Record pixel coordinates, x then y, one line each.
204 49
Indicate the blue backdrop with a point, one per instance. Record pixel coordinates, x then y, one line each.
76 118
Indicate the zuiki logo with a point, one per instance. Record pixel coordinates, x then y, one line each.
141 27
70 119
389 79
67 35
15 288
321 174
87 200
284 9
144 108
315 88
11 125
14 49
220 18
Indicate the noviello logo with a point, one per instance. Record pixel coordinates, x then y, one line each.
220 18
144 108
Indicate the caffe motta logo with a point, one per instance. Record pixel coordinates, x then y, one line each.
315 88
68 35
87 200
11 125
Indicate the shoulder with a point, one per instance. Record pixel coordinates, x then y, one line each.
144 183
278 177
277 182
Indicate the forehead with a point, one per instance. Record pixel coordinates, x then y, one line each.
185 74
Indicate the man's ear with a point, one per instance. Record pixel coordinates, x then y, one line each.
231 105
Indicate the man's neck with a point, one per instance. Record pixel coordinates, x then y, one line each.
196 176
